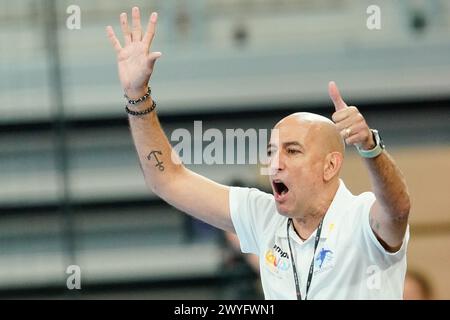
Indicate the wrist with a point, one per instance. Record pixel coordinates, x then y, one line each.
141 111
373 148
141 105
137 93
369 144
139 100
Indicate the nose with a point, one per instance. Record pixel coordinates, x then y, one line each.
276 163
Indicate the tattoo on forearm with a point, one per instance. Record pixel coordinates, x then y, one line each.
159 163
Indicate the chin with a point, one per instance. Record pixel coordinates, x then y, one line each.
283 210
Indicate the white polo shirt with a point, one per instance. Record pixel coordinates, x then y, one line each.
349 263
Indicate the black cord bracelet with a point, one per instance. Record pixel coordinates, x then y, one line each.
141 113
141 99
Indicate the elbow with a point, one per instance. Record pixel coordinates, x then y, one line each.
404 207
157 187
161 190
163 187
403 213
154 188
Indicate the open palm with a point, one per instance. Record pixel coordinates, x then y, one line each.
135 62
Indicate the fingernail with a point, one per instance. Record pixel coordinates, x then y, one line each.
154 17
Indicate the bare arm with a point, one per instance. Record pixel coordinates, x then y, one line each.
164 174
389 214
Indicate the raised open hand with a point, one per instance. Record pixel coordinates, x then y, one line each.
135 62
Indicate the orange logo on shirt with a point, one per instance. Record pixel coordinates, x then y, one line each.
277 259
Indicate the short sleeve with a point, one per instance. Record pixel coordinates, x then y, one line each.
252 211
374 246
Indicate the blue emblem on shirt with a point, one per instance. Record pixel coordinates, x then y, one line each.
324 256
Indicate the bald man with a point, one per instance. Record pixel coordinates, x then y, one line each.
314 239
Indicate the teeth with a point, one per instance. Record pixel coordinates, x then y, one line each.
283 192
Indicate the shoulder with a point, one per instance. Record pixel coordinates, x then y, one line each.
240 196
353 209
363 200
360 203
349 203
254 216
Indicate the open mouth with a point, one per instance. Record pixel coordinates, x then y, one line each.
280 188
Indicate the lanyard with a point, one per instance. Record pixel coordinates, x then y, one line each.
311 268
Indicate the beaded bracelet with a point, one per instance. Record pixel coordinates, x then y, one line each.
141 113
141 99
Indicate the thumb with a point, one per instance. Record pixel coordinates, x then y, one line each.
152 57
335 96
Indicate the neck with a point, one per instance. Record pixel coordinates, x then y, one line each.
308 222
305 226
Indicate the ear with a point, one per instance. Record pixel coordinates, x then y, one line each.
332 165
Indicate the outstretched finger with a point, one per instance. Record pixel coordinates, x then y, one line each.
335 96
125 28
151 29
113 39
137 28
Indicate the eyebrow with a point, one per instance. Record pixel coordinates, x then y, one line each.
293 143
288 144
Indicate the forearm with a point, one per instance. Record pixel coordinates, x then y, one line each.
154 150
389 186
167 177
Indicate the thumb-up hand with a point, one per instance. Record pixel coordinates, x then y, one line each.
350 122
